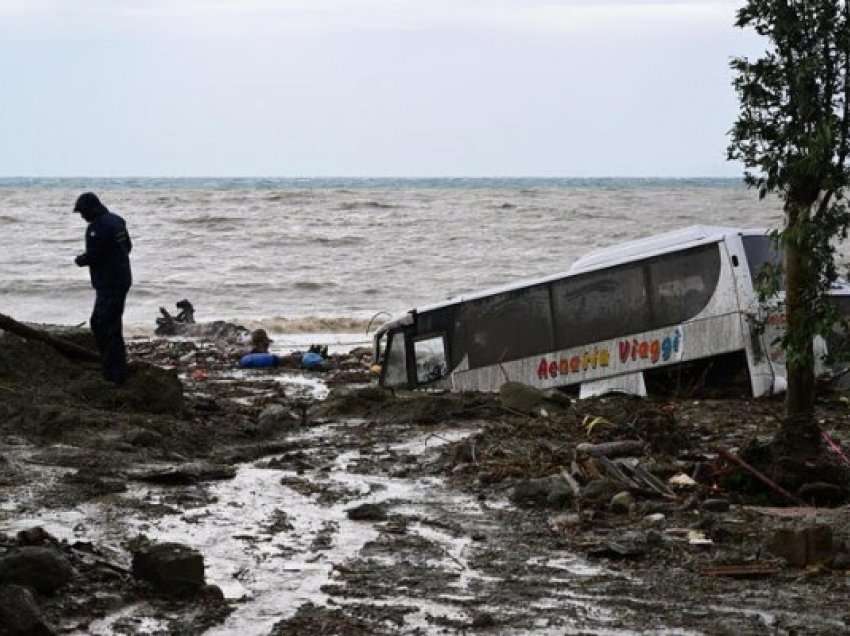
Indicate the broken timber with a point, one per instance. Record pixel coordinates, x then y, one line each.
65 347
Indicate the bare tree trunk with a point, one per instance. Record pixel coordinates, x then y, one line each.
799 430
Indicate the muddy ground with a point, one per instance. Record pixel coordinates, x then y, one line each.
323 505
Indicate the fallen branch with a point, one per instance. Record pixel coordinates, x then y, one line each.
66 348
725 454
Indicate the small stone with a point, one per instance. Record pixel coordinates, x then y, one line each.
551 491
43 569
144 438
822 494
841 561
715 505
557 397
622 502
367 512
274 417
655 519
20 614
212 594
173 568
564 520
599 490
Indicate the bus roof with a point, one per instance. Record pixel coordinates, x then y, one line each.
616 255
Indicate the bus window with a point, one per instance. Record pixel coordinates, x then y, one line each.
600 305
761 251
430 359
381 349
683 283
396 364
507 326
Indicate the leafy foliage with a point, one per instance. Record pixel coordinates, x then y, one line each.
792 136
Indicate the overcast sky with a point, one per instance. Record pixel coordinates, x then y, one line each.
367 87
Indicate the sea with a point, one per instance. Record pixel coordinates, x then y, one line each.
319 255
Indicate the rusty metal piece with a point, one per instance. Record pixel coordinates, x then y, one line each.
725 454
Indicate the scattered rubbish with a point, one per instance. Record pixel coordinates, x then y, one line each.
259 361
682 481
697 537
168 324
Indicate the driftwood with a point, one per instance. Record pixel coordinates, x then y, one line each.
623 448
66 348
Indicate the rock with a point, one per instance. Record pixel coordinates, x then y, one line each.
807 546
622 502
655 519
682 480
144 437
599 490
35 536
563 521
520 397
822 494
274 417
554 396
623 448
715 505
367 512
173 568
551 491
188 473
212 594
840 561
20 614
43 569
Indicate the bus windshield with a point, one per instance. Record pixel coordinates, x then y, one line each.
762 251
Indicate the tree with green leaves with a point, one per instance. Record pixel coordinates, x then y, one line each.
791 134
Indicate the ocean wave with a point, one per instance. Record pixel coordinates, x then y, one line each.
339 242
210 220
312 285
311 324
357 205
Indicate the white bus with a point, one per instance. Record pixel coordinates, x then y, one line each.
618 313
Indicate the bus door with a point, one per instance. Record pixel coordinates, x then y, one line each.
763 324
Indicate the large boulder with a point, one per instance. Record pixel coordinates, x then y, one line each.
173 568
43 569
20 614
517 396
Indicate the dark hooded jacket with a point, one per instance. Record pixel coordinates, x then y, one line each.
108 245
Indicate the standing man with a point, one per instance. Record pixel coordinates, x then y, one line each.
107 252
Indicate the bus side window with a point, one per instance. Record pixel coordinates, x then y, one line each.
600 305
396 364
683 283
430 359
